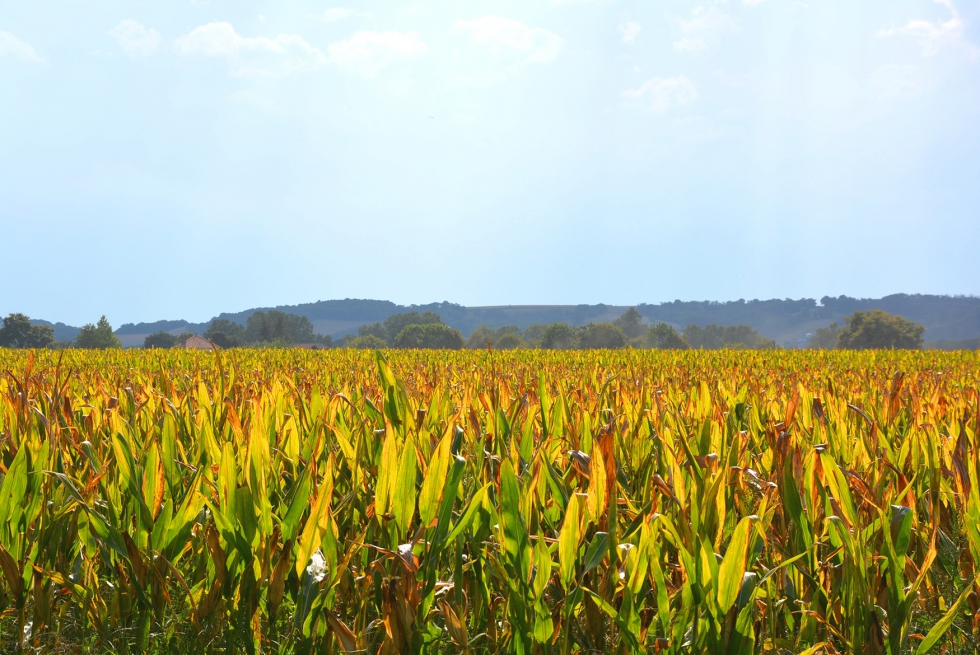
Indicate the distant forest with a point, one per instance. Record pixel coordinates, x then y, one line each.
949 321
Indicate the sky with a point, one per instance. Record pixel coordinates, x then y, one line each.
181 159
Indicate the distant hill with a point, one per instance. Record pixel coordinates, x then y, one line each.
789 322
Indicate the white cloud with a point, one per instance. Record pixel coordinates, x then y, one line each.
287 53
134 39
703 30
365 53
664 92
336 13
537 43
933 36
629 31
752 2
11 46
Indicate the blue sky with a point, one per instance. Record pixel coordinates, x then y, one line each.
175 160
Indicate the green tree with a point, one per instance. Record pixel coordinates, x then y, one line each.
509 341
878 329
664 337
480 337
533 335
160 340
484 334
225 333
99 336
17 332
631 323
714 337
825 338
430 335
376 330
367 342
276 326
395 323
559 336
265 327
602 335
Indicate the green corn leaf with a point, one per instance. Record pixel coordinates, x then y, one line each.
733 565
596 552
313 530
227 481
542 566
297 506
247 527
124 463
569 540
109 535
660 584
742 639
469 513
403 490
838 486
387 473
515 536
901 528
435 481
183 521
938 630
451 488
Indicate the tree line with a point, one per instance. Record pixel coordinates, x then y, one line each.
274 328
18 332
862 330
262 329
428 330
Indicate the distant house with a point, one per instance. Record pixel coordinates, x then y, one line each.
195 342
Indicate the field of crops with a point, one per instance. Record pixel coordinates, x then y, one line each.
288 501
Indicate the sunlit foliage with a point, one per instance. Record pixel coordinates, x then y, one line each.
524 501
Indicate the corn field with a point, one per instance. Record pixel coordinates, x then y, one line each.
286 501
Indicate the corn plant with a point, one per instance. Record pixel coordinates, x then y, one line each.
283 501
